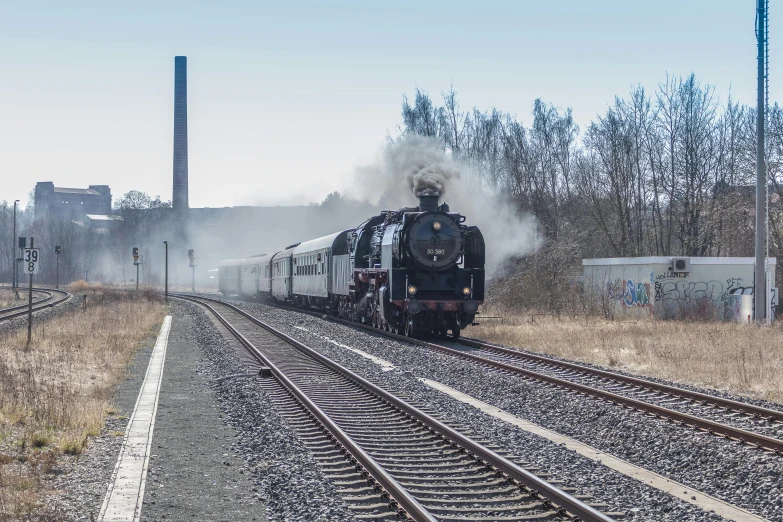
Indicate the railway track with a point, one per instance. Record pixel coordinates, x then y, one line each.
387 457
51 298
732 420
759 425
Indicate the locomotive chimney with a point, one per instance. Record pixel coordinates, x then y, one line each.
428 201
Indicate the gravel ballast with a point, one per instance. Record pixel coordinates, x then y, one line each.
740 475
284 473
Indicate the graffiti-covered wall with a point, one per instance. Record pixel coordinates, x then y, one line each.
652 285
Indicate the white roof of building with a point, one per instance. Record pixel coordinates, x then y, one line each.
66 190
103 217
662 260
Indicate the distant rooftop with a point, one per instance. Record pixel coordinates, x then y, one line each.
65 190
103 217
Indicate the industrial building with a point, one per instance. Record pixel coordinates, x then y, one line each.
674 286
71 203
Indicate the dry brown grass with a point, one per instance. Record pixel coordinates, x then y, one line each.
742 359
8 297
56 394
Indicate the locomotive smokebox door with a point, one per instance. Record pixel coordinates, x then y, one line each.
435 241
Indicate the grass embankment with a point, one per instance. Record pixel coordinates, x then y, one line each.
8 297
742 359
56 394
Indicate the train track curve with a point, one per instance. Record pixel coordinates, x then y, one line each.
51 298
421 468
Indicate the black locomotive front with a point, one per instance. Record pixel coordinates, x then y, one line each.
424 269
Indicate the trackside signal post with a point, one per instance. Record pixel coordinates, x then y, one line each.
137 262
57 251
22 246
193 263
30 260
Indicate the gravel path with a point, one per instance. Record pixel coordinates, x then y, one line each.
740 475
193 472
284 474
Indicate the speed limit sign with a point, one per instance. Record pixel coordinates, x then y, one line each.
30 260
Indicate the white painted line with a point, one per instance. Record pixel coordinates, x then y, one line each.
383 363
676 489
126 491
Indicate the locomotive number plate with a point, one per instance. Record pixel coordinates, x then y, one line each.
436 251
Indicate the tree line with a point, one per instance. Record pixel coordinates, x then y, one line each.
662 173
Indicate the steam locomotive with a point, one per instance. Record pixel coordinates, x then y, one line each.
409 271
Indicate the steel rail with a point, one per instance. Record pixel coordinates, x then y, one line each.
48 295
561 501
37 305
404 499
741 407
714 428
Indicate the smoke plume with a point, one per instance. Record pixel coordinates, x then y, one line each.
417 165
422 164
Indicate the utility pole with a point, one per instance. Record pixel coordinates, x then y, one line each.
760 276
166 280
13 250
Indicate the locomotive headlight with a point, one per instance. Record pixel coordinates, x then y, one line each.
436 226
466 291
412 290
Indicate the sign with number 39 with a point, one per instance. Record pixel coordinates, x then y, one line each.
30 260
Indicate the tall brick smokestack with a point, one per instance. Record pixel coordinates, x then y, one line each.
180 192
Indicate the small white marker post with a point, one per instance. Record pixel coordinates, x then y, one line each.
30 258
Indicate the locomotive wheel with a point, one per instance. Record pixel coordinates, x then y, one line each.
455 333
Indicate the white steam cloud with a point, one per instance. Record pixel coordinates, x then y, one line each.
418 165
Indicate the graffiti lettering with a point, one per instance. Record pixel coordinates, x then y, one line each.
673 275
690 291
636 294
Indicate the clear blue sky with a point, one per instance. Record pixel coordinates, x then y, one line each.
287 98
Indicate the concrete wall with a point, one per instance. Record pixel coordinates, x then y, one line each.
649 285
